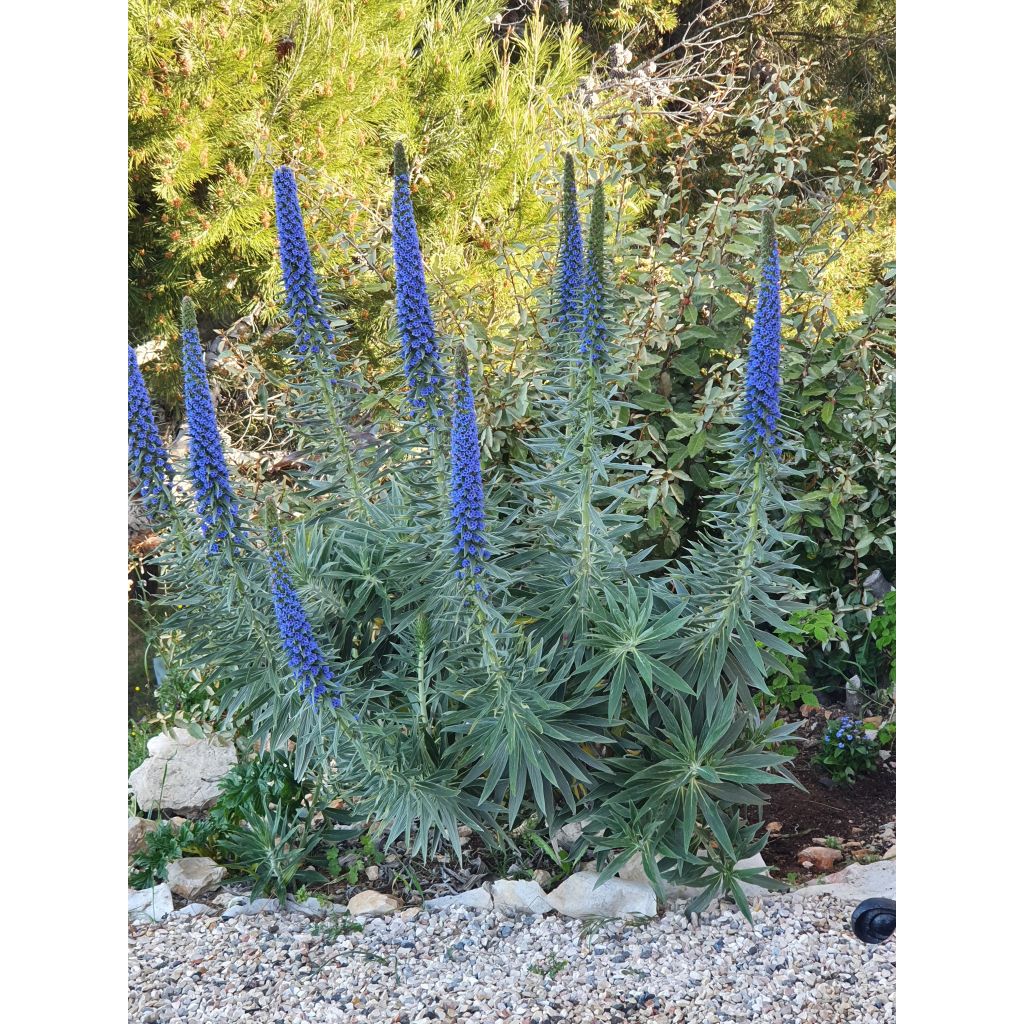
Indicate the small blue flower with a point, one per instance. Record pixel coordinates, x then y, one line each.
215 498
467 491
420 353
309 322
761 392
147 458
308 666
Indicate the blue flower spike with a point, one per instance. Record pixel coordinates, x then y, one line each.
214 496
421 355
147 458
569 275
308 666
467 490
309 322
761 392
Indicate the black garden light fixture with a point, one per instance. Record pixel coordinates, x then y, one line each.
874 920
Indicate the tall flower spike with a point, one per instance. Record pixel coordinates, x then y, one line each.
569 279
420 352
761 391
215 499
302 294
305 659
467 489
147 457
593 329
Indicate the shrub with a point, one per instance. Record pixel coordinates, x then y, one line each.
451 639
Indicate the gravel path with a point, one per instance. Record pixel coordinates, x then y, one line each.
799 963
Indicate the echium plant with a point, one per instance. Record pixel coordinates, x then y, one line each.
467 491
761 393
586 681
592 312
569 276
420 353
214 495
147 458
302 294
308 665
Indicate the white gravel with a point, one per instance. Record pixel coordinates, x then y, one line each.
798 963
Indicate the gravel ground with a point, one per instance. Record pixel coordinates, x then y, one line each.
799 963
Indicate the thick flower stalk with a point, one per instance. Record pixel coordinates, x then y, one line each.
569 277
147 458
215 499
302 294
420 352
761 392
593 330
467 489
305 659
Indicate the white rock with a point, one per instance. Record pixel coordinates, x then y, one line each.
193 910
182 772
857 882
580 896
191 876
890 854
261 906
523 897
138 829
150 904
479 898
373 904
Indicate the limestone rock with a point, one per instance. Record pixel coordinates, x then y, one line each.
519 896
373 904
138 829
856 882
145 905
580 896
182 772
194 910
542 878
819 858
890 854
479 898
191 876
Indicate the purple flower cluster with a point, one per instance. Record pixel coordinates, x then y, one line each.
302 294
467 489
215 499
420 352
569 277
305 659
761 393
147 457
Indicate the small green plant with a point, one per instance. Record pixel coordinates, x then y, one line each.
138 736
886 737
833 843
792 687
168 843
272 846
846 752
883 632
335 925
550 967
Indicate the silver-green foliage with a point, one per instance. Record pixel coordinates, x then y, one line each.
587 680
